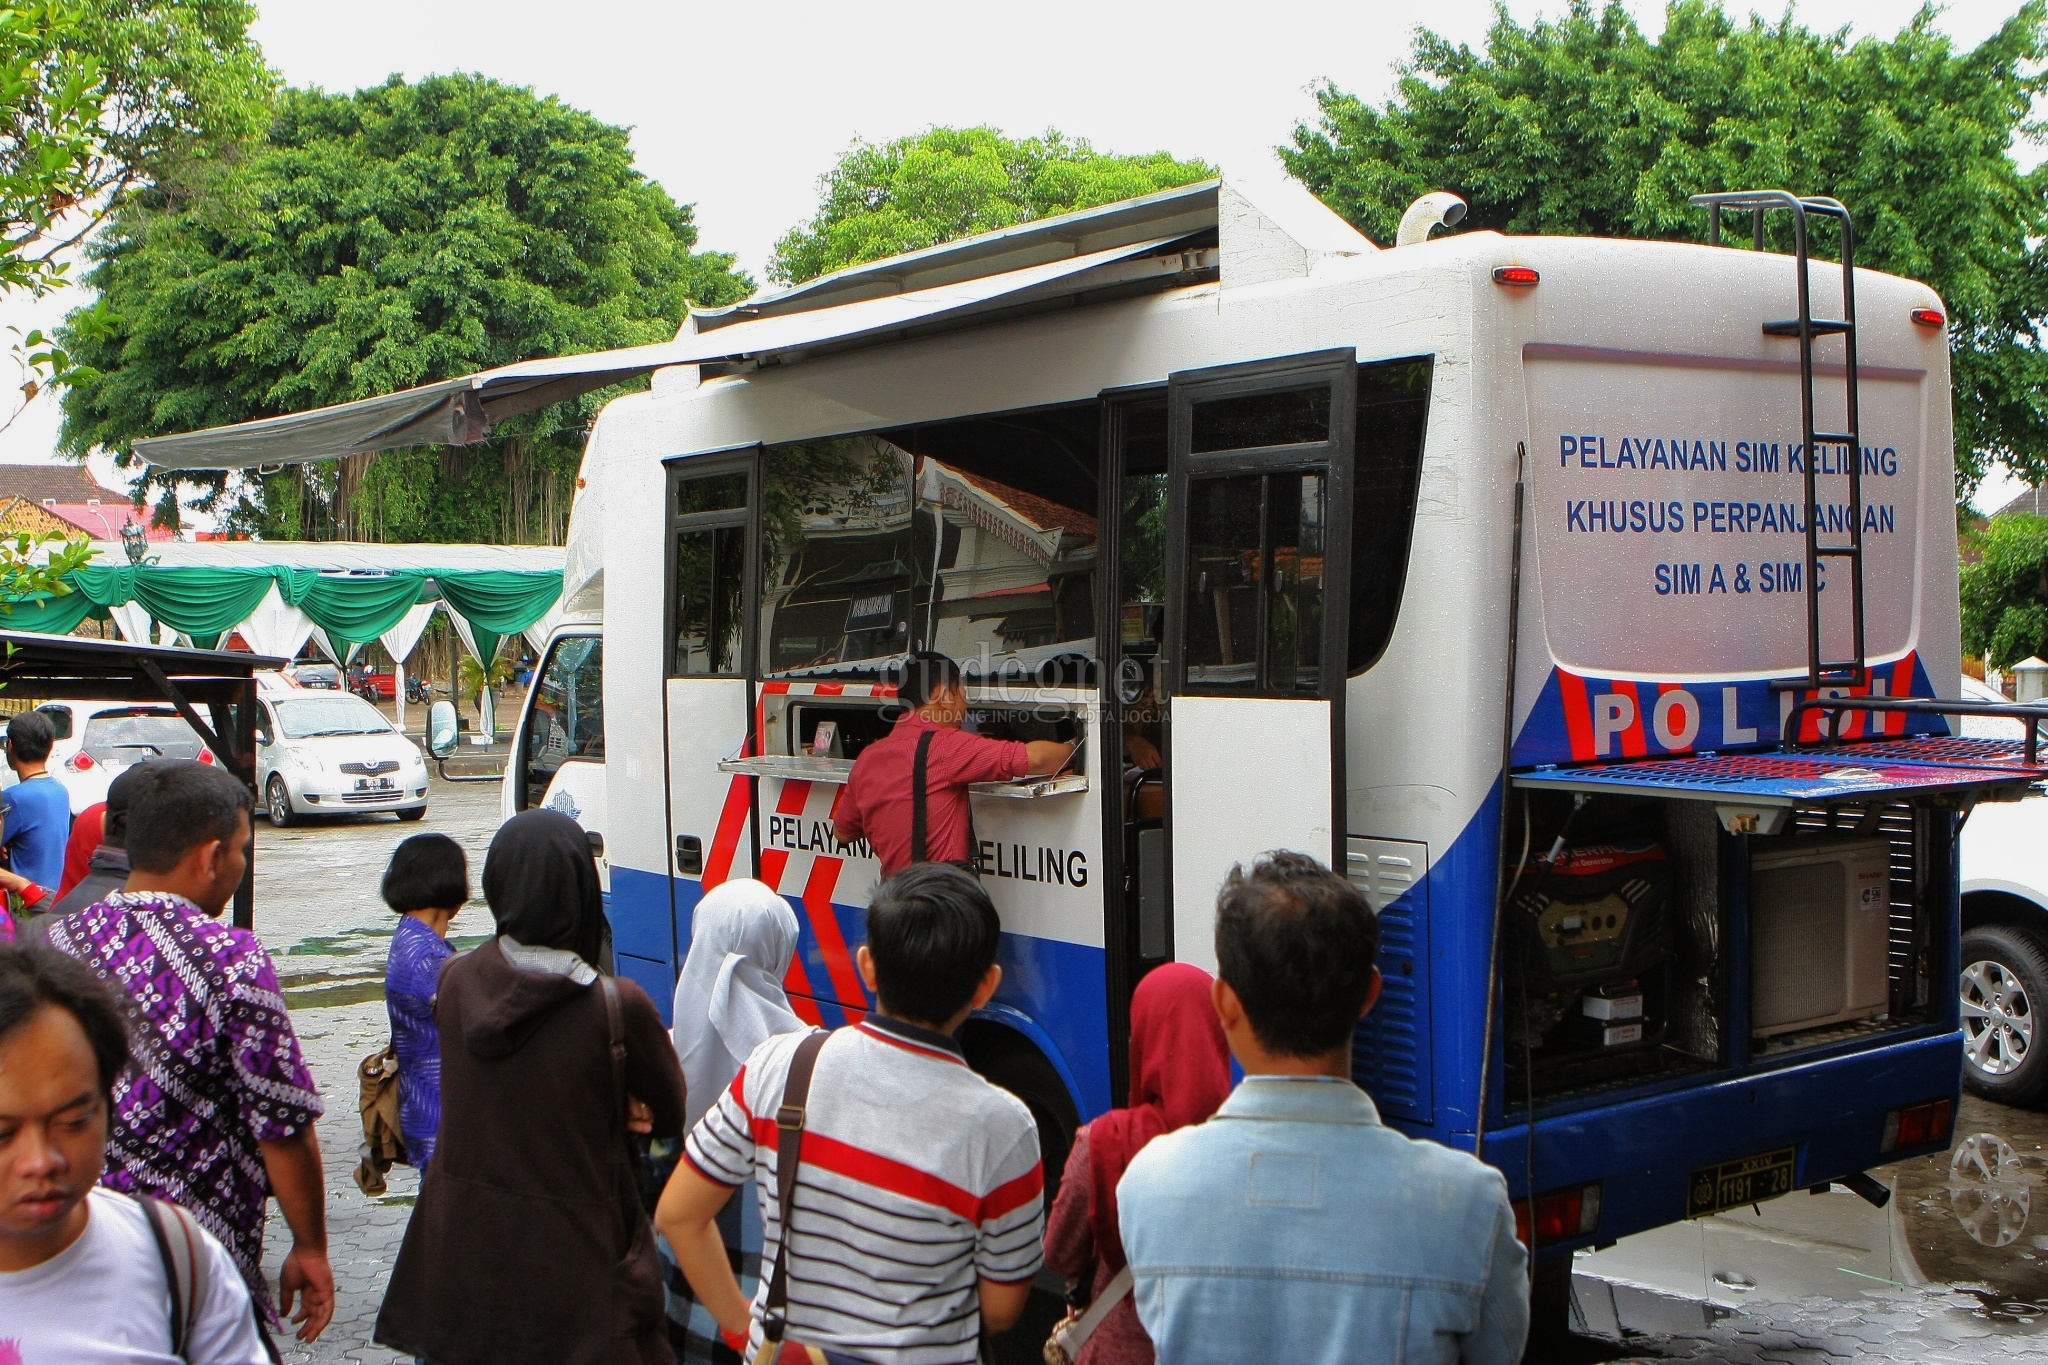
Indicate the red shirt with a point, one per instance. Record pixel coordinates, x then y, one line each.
878 797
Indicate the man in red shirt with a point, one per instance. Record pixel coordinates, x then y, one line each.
928 749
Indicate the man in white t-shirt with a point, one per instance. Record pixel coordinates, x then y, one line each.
82 1279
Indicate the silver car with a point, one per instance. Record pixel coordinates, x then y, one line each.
332 753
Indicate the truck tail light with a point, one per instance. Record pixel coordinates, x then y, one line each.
1515 276
1917 1125
1928 317
1561 1215
206 755
79 761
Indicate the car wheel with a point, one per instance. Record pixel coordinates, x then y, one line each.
280 802
416 813
2004 984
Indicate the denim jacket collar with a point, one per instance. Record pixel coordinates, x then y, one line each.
1300 1099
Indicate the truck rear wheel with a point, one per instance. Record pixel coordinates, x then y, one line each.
2004 983
1006 1059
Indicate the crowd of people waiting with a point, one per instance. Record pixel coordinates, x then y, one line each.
858 1196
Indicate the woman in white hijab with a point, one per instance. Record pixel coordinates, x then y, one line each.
729 998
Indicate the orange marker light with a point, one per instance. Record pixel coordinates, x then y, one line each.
1928 317
1516 276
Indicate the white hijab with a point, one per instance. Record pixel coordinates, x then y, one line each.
729 998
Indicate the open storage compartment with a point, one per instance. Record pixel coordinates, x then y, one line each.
1721 911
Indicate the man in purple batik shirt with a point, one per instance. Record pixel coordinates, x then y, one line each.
217 1111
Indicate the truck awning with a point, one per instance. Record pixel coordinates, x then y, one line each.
1752 790
463 411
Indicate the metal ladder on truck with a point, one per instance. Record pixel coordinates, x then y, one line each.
1854 671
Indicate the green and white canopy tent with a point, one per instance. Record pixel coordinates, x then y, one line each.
342 594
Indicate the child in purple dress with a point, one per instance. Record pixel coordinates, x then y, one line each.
427 884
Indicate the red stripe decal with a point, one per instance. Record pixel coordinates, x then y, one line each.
1902 686
830 689
898 1178
1578 713
773 861
778 688
794 794
732 822
796 983
838 800
825 925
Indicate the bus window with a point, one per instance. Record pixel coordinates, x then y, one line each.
708 563
1393 410
1255 582
844 559
975 537
567 721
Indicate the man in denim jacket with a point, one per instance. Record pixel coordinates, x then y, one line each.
1293 1226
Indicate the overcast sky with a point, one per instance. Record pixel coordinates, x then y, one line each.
739 109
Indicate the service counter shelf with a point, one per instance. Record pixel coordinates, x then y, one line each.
835 771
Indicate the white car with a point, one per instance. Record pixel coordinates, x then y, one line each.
2004 978
322 753
97 741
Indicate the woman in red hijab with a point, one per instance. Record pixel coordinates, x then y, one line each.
1180 1074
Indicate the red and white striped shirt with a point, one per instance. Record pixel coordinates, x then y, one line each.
918 1178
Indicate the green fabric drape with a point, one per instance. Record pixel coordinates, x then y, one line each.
498 602
202 603
52 615
355 609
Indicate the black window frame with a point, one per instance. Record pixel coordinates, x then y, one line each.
746 519
522 758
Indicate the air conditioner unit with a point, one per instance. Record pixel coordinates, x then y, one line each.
1819 930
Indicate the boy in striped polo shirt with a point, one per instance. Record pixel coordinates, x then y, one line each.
918 1204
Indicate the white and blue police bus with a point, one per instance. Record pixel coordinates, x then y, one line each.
1500 572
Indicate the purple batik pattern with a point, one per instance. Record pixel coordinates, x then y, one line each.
217 1066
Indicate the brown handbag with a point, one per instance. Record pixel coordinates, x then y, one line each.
377 1101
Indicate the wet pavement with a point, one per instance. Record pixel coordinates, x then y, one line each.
1954 1270
318 912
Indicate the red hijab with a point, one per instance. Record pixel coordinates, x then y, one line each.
1180 1074
86 831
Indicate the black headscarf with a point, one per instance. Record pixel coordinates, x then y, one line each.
541 883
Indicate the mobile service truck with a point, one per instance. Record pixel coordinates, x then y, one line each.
1581 600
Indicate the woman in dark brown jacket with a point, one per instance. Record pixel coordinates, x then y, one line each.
529 1243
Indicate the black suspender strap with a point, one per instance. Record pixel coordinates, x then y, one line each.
919 853
789 1138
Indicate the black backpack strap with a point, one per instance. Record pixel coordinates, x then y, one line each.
789 1138
919 853
186 1267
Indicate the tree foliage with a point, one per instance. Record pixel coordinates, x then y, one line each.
947 183
2005 589
1585 126
370 242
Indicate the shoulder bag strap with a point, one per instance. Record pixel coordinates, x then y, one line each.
919 853
1115 1292
615 1033
183 1253
789 1137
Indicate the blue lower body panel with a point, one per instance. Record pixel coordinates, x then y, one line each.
1831 1112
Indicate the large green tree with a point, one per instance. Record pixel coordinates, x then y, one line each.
1584 125
947 183
2005 589
369 242
96 98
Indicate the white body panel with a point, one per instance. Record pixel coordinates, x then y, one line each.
1277 796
